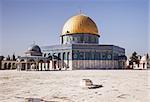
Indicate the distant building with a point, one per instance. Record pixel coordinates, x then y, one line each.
1 58
33 60
8 63
148 64
79 49
144 63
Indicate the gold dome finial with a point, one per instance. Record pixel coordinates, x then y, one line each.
34 43
80 11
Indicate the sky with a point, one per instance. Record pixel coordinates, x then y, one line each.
124 23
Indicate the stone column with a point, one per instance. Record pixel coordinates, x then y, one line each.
19 66
26 66
37 66
50 66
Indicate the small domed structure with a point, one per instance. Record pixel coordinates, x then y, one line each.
34 50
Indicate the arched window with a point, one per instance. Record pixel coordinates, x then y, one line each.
81 38
96 55
100 56
44 55
93 55
104 56
81 55
89 39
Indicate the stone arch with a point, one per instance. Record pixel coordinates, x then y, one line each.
41 64
33 66
5 66
13 65
41 61
31 60
48 61
22 60
9 65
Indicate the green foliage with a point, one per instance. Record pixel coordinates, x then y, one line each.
134 58
147 56
1 58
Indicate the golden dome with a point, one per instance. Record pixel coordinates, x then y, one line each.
80 24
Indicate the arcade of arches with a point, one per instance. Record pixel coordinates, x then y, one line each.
40 63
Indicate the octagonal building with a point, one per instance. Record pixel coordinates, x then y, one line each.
80 48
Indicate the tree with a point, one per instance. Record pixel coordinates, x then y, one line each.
147 56
13 57
1 58
8 58
134 58
148 59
